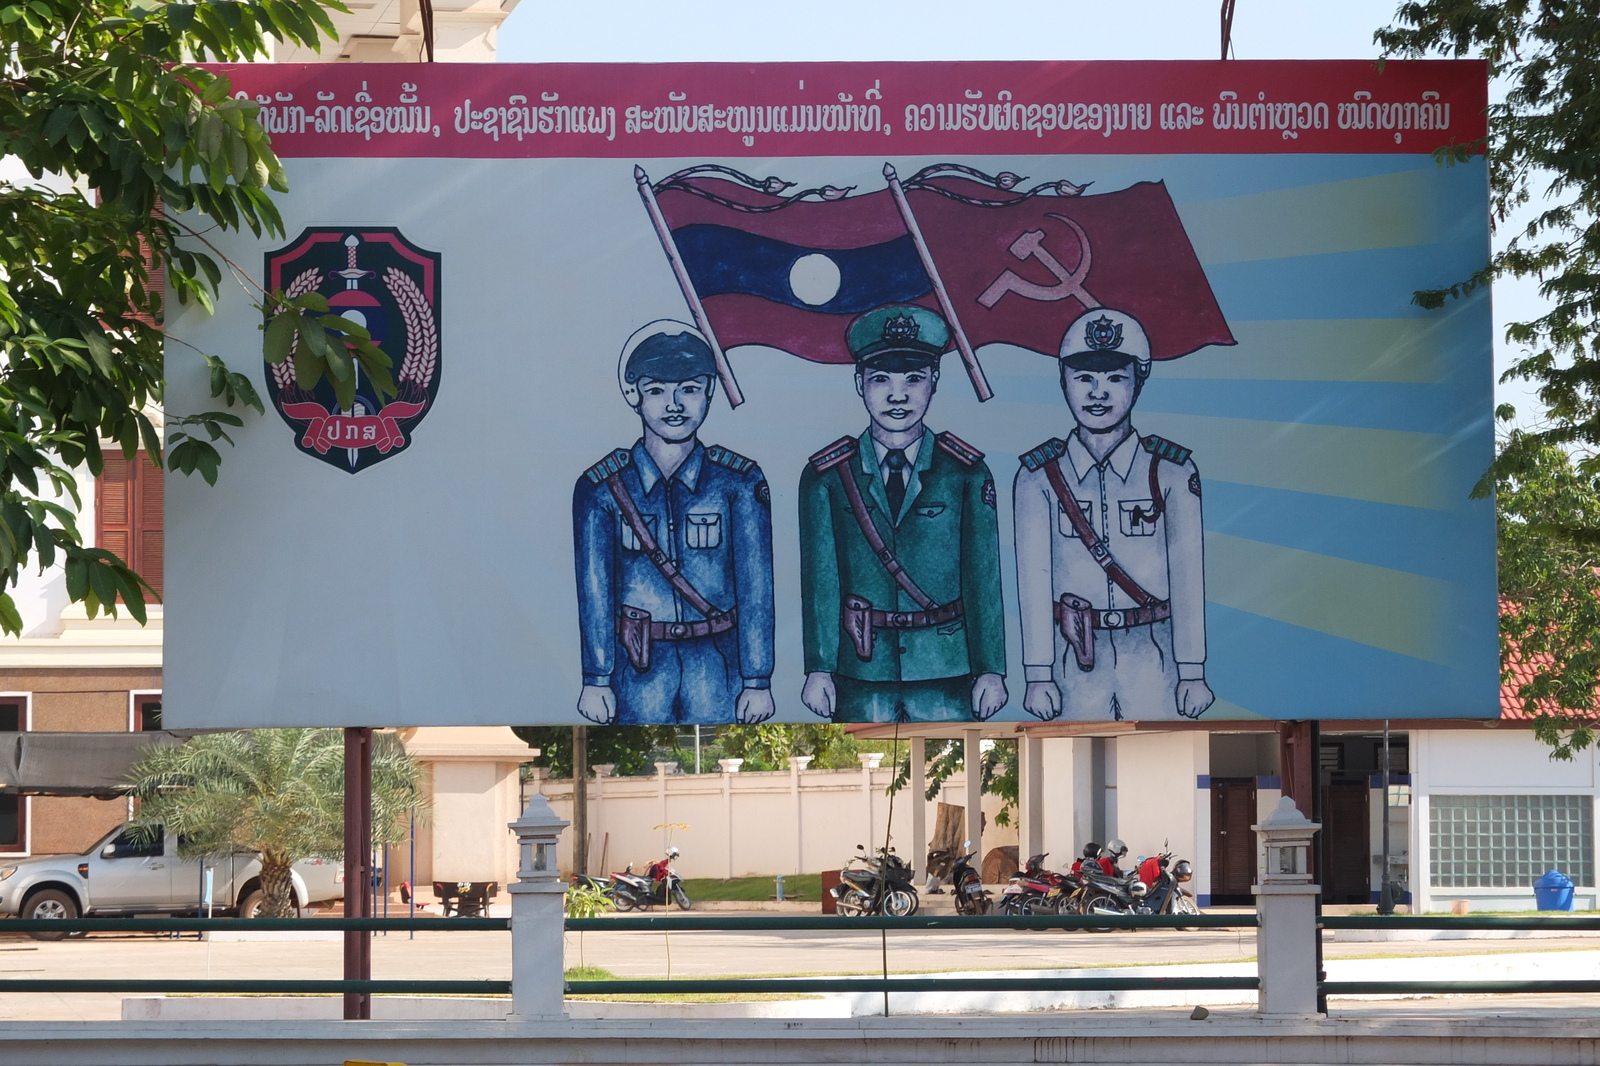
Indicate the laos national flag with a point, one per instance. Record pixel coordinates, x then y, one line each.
786 271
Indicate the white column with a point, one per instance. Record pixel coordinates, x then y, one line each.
1030 795
729 767
973 756
662 770
1286 938
537 960
796 764
916 786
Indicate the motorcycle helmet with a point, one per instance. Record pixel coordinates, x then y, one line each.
1138 890
672 853
1116 849
1183 871
1091 850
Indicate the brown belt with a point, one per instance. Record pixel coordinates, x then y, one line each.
1078 621
859 619
637 632
1159 611
917 619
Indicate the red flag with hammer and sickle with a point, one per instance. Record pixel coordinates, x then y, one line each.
1020 267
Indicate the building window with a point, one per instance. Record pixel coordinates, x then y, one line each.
1509 841
146 713
13 808
128 514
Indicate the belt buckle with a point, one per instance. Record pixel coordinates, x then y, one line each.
677 629
900 620
1111 619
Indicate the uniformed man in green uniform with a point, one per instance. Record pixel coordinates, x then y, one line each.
899 548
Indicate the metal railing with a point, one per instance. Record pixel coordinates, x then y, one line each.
1532 922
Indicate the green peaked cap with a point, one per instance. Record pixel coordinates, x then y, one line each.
897 337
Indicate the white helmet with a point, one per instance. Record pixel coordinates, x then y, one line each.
1106 331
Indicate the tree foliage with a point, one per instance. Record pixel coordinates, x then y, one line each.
134 153
999 766
1543 151
278 793
632 749
1550 579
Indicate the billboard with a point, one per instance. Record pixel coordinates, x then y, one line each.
869 392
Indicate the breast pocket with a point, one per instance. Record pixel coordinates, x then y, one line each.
929 510
631 542
1066 523
704 530
1138 517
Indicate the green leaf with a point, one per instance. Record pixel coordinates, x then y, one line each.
10 617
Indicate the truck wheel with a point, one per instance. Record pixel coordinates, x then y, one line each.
250 904
50 903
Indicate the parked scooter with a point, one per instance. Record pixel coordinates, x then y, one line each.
967 886
658 884
1035 890
1164 881
875 884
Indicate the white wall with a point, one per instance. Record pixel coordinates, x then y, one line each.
1157 802
751 824
1505 760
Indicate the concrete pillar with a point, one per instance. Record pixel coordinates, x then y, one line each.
869 761
1030 796
1286 908
796 764
662 770
537 959
729 767
916 787
972 740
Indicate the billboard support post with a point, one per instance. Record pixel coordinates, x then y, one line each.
357 865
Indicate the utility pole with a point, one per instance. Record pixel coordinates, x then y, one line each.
1386 890
580 799
1227 27
357 865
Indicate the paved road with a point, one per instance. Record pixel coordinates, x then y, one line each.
477 955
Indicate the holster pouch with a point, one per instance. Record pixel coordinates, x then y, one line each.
856 617
1077 629
633 630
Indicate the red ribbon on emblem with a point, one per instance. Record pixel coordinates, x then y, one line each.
327 430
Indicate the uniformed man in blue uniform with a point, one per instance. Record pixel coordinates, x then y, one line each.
673 547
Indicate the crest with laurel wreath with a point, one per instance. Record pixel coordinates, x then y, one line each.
378 279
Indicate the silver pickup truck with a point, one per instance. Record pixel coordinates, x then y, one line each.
120 875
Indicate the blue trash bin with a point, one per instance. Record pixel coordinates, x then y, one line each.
1553 891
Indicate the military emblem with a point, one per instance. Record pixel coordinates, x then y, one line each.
900 329
381 281
1102 334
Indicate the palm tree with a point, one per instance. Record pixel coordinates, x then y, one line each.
276 792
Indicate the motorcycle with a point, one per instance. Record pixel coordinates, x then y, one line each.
655 887
875 884
1164 883
967 886
1106 889
1035 890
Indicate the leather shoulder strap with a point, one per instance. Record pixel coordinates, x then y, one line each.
1091 540
658 558
886 556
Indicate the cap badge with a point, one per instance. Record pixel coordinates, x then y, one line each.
1102 334
901 329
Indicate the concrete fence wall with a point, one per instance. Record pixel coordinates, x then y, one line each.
738 824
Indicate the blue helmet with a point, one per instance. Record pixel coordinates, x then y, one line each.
664 350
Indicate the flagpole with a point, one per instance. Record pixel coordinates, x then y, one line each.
647 193
980 384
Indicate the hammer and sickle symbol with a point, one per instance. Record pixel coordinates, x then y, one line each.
1068 282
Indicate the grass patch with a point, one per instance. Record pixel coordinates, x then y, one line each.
807 887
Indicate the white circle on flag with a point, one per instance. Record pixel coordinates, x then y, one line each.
354 316
814 279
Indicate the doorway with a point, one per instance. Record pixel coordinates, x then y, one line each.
1346 842
1233 842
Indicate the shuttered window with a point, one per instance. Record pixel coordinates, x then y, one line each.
128 498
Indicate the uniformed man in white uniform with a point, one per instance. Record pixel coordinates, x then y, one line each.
1112 591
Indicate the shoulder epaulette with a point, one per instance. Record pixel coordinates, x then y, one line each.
834 454
965 453
611 464
1162 448
1054 448
716 453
